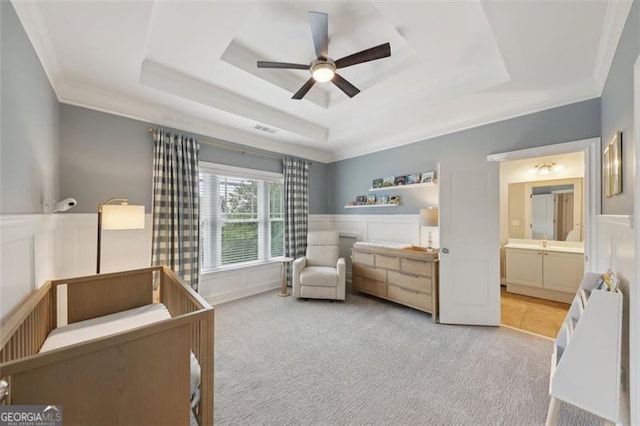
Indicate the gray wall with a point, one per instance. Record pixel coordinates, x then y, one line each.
104 156
29 147
617 110
353 176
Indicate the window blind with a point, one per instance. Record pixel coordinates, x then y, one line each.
242 215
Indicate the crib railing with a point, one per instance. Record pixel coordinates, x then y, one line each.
27 327
180 302
26 330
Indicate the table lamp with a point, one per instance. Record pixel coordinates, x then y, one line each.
429 217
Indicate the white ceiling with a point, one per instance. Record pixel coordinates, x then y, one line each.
454 65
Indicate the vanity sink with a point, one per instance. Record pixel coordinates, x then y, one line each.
553 272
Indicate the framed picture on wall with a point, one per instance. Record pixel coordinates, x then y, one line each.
612 167
616 164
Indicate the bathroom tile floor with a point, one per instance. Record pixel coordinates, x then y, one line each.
531 314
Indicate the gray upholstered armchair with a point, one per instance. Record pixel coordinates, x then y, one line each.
320 274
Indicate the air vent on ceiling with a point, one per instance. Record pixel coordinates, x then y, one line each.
263 128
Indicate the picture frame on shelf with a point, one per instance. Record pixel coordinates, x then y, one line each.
371 199
388 181
400 180
413 178
428 177
382 199
361 200
377 183
394 199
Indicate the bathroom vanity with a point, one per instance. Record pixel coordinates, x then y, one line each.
546 269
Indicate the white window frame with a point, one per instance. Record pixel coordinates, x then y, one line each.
263 211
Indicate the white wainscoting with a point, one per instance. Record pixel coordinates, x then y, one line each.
231 284
27 244
616 251
402 228
76 237
36 248
352 228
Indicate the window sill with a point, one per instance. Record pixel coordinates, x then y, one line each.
239 267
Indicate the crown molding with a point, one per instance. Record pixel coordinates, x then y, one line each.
480 119
125 106
171 81
612 27
34 26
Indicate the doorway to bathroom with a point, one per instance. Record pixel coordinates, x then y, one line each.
548 203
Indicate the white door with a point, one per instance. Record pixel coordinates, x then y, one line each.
470 242
542 216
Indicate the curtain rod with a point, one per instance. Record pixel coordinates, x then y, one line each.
233 148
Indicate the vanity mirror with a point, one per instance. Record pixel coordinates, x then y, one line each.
550 208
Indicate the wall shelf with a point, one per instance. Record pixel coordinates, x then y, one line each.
409 186
364 206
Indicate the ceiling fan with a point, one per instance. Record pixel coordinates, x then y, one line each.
324 68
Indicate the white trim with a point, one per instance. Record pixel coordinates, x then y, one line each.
174 82
470 122
634 291
592 199
540 151
240 266
614 19
240 172
241 293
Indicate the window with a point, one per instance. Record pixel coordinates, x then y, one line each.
242 215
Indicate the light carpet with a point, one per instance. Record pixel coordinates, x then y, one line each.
366 361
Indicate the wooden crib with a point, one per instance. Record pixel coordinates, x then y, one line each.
140 376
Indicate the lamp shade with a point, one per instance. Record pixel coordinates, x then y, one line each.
116 216
429 217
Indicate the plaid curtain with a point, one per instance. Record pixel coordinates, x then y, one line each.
296 206
176 205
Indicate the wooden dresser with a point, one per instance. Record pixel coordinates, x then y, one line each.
404 276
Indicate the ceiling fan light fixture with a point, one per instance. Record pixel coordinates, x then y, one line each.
323 71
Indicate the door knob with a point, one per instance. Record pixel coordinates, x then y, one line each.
445 250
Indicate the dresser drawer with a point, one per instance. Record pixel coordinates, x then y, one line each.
411 298
389 262
370 286
409 281
369 272
363 257
419 267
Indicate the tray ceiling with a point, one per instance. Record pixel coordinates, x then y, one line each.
454 65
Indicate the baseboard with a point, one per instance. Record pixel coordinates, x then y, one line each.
217 299
557 296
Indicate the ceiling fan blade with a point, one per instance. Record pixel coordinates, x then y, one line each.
378 52
285 65
345 86
304 89
320 33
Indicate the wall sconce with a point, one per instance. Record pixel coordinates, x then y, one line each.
545 168
429 217
113 216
